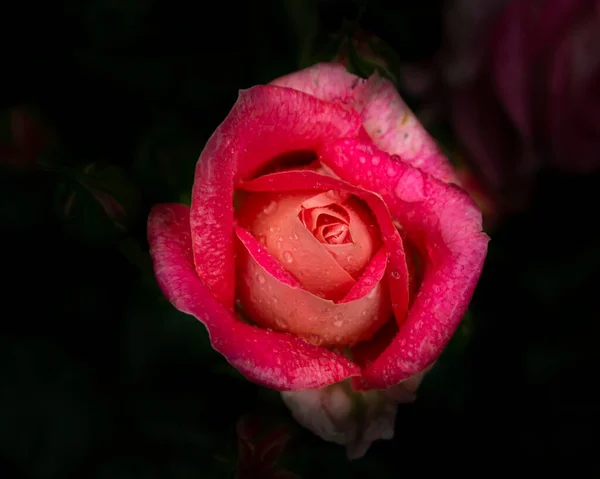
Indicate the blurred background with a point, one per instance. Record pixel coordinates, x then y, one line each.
105 108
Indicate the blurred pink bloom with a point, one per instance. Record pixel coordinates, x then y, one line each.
522 79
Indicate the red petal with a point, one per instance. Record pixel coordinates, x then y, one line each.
309 180
372 275
265 259
276 360
265 122
277 305
385 117
445 222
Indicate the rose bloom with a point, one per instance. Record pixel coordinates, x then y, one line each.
326 241
523 77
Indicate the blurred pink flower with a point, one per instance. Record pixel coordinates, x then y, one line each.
522 79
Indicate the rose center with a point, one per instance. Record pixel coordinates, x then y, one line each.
329 224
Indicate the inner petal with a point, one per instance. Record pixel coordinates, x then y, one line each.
329 224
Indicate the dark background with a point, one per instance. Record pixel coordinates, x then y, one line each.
101 377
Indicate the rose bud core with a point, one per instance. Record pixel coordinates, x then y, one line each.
325 242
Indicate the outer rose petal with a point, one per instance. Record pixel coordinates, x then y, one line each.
265 122
386 118
444 221
275 360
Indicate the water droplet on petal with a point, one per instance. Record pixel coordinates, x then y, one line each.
411 186
375 160
350 259
270 208
209 220
338 323
262 239
395 275
362 159
391 172
260 278
314 339
288 257
293 235
280 324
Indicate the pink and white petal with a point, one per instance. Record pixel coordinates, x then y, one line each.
327 81
275 360
307 180
395 129
387 120
266 121
445 222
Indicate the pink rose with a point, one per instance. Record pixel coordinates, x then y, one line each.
325 240
525 86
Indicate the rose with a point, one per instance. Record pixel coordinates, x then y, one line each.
524 78
325 240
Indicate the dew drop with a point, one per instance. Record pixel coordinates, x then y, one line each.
209 220
280 324
338 323
270 208
260 278
410 187
314 339
293 235
375 160
288 257
262 239
391 172
395 275
351 259
362 159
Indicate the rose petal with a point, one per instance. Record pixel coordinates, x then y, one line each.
274 219
443 220
387 119
265 122
275 360
265 259
372 275
366 352
304 180
279 306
